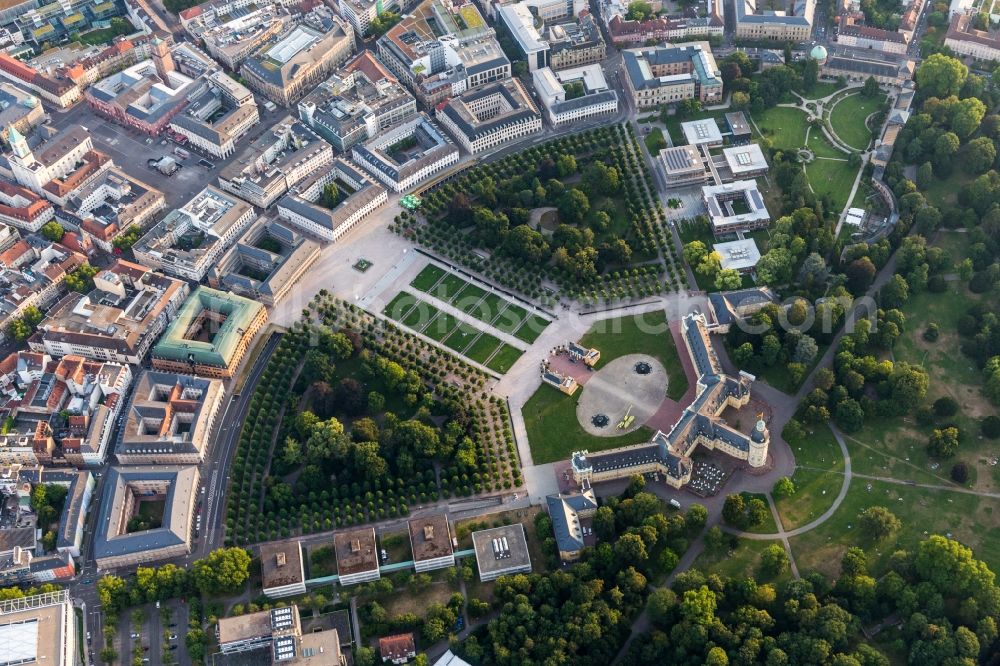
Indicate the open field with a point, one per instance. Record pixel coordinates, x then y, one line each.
832 178
641 334
848 119
784 126
817 478
505 357
554 431
970 519
741 561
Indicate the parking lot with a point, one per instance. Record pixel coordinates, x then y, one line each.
131 150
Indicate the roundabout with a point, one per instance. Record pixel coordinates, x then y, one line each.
634 385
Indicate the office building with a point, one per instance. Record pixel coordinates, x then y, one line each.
282 570
501 551
407 155
597 99
860 36
490 116
683 166
40 629
230 33
669 74
210 334
117 540
169 419
119 320
569 513
518 23
736 206
110 206
791 25
964 39
275 637
430 542
357 556
217 116
22 208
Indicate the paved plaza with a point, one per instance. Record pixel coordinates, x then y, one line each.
619 388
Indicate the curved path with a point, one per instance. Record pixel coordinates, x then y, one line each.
782 533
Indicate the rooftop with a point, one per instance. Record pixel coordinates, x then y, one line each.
430 537
281 564
738 255
356 551
208 328
501 548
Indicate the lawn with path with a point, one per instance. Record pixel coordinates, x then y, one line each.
973 520
832 178
554 432
819 474
848 119
440 327
482 348
504 358
784 126
461 337
399 305
428 277
640 334
739 558
531 328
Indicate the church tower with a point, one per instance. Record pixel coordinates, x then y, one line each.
162 60
760 438
27 171
19 144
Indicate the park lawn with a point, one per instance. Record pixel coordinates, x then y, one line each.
743 561
768 526
505 357
491 306
819 470
461 337
971 519
482 348
821 146
441 326
554 432
448 287
101 36
943 193
399 305
531 328
419 316
655 141
832 178
848 119
468 297
640 334
821 89
510 319
784 126
428 277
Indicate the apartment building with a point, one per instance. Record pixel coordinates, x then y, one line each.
118 321
275 163
110 206
22 208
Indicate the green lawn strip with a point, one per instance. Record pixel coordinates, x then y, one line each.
491 306
739 558
441 326
768 526
970 519
821 146
468 296
399 305
510 319
531 328
419 316
848 119
505 357
815 491
640 334
655 142
554 431
821 89
428 277
785 126
832 178
461 337
482 348
448 287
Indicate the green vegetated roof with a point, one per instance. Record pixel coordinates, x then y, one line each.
239 313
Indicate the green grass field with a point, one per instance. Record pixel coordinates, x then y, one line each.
448 287
768 526
822 89
427 277
481 349
784 126
418 317
440 327
848 119
739 562
510 319
505 357
531 328
970 519
554 431
818 477
399 305
468 297
833 178
641 334
461 337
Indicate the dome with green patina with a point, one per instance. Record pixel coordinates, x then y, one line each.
818 53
